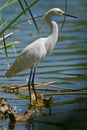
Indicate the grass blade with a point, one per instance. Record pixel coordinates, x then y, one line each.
5 37
32 16
26 20
6 53
9 44
19 15
23 10
8 3
64 16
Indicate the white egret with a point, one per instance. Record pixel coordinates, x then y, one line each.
37 51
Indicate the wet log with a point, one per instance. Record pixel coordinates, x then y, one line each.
29 114
7 111
4 106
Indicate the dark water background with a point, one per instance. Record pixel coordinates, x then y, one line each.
66 66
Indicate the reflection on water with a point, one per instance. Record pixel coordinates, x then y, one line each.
67 67
66 112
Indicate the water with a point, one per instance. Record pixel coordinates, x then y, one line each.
66 66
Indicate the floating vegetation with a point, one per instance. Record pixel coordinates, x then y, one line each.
63 91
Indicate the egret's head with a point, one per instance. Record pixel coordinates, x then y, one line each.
56 11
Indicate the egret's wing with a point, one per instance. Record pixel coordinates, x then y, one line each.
30 56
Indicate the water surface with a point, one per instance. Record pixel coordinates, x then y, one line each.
66 66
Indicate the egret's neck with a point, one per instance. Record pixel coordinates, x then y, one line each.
53 29
51 40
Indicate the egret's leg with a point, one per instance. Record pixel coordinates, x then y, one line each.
32 82
29 85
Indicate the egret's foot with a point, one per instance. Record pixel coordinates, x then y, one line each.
36 101
41 101
38 104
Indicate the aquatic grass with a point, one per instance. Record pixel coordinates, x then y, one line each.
30 12
26 20
17 17
6 53
7 4
4 46
64 16
22 7
9 44
2 24
32 16
5 37
49 92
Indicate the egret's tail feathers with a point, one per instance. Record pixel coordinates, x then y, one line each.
9 73
16 67
12 70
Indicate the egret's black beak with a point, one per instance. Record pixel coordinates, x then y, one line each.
63 13
69 15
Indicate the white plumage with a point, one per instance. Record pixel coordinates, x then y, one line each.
37 51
